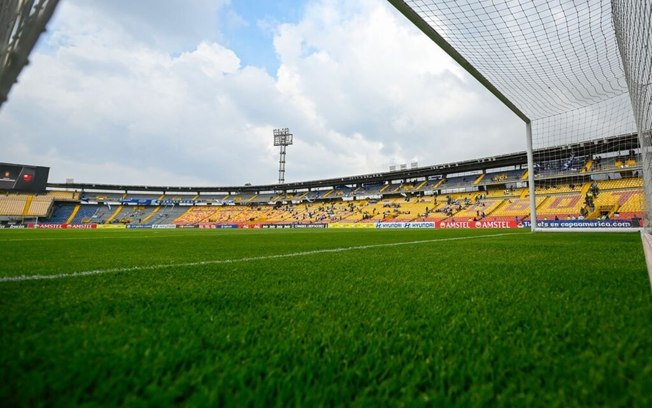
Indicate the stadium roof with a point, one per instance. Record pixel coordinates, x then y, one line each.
598 146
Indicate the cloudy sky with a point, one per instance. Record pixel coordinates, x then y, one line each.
180 92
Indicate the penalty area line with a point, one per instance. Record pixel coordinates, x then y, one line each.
22 278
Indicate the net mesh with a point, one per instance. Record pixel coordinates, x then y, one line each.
21 24
559 62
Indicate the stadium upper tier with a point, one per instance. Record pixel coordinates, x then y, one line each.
607 148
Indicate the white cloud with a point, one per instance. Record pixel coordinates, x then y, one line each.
358 85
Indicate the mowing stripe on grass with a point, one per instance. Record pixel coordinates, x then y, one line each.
119 234
22 278
86 238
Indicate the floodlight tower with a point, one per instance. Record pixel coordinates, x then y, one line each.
283 138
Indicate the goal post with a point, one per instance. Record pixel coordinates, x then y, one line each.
530 169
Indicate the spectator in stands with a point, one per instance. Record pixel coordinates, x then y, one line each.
598 162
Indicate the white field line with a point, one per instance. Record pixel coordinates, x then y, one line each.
22 278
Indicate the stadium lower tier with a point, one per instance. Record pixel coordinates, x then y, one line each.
609 199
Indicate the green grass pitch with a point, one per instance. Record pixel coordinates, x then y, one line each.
324 317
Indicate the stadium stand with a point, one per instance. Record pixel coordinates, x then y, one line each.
621 184
38 206
194 215
141 196
84 214
564 166
61 212
601 186
502 177
13 204
63 195
563 206
480 209
459 182
102 214
613 197
631 205
102 197
166 215
513 208
130 214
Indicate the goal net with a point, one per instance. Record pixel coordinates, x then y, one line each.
21 24
578 74
632 20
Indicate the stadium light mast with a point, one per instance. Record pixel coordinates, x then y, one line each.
282 138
